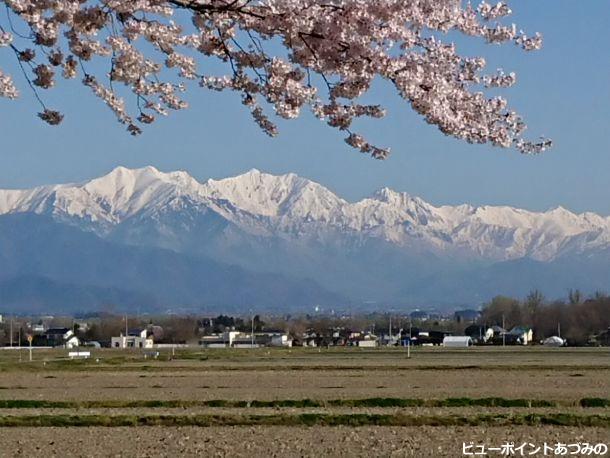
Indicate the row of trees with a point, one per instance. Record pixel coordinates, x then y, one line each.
165 329
577 318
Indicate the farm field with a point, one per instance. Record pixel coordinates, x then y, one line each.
301 402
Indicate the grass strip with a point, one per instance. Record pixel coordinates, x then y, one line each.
310 419
302 403
595 402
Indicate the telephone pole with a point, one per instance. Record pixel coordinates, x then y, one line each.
252 336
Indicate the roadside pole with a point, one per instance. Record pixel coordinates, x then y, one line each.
30 338
252 335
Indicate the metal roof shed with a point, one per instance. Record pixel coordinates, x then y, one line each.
457 341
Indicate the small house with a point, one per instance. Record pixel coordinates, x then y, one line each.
37 328
367 341
479 333
135 338
523 334
430 338
60 337
281 340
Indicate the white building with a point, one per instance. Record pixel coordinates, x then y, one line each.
134 339
236 339
457 341
224 340
368 341
280 340
71 341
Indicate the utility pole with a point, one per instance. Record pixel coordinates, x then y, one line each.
11 331
503 332
30 338
558 329
252 331
390 339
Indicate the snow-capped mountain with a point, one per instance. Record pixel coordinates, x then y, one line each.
284 240
292 207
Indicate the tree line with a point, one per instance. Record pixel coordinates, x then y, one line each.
576 318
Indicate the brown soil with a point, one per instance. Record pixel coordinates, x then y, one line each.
330 384
564 375
275 441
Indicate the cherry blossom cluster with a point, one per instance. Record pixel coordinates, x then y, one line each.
279 55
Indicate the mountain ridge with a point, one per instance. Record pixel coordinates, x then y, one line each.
282 242
289 205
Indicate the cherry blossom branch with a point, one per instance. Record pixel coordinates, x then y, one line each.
346 43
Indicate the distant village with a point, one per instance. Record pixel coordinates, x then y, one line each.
503 322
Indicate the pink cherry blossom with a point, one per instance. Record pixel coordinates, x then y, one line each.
281 56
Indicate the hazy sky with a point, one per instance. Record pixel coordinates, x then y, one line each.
563 92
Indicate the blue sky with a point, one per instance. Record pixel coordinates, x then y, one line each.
563 92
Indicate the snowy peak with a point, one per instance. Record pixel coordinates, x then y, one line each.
255 192
392 197
108 199
274 195
121 194
123 184
290 206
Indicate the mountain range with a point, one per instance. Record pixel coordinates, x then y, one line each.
163 241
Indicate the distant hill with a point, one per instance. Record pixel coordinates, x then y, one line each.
45 265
